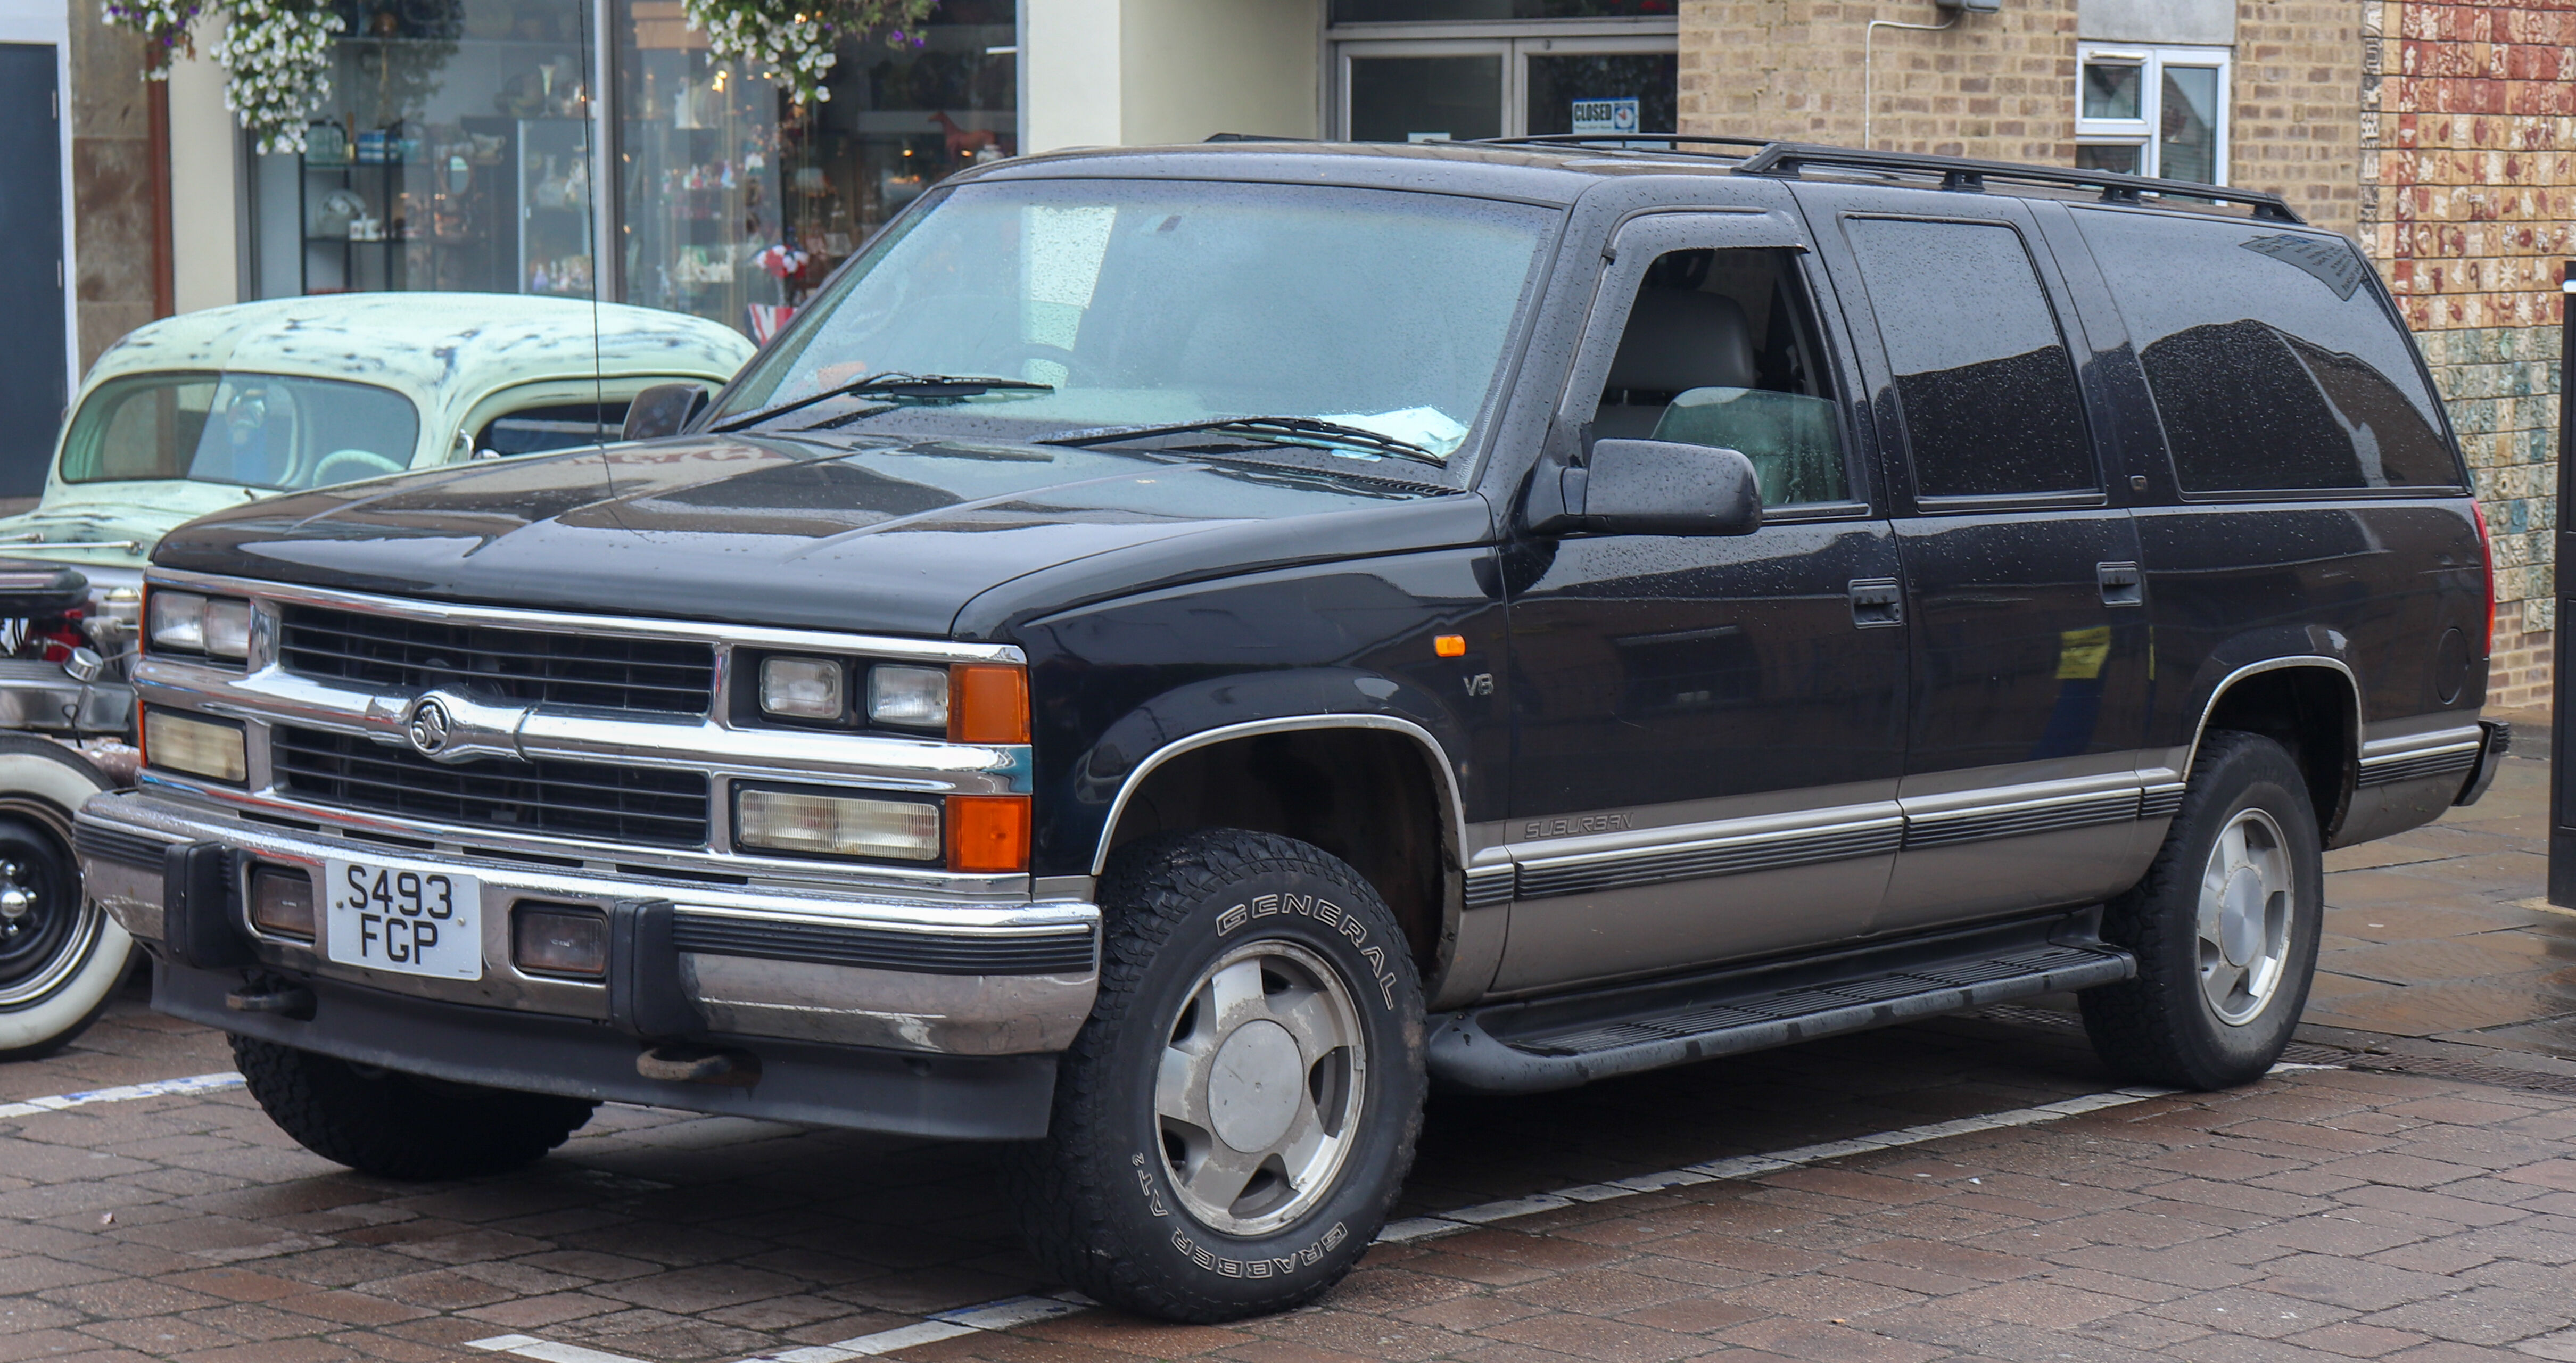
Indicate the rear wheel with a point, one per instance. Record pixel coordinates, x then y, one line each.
399 1125
1233 1122
2224 926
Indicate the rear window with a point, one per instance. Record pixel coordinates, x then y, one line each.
255 430
2274 365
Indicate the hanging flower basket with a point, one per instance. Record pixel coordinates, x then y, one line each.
276 56
792 41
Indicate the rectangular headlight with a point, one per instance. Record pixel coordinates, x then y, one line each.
914 697
801 688
179 621
818 823
216 626
200 747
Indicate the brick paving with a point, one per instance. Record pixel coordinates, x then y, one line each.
2320 1214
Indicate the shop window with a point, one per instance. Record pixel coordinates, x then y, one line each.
735 203
2153 111
1457 11
455 153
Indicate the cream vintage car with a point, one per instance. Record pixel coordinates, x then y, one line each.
210 409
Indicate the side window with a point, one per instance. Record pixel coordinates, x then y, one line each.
1720 350
560 426
2272 367
1988 390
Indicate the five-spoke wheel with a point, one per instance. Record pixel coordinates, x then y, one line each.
1265 1069
2244 922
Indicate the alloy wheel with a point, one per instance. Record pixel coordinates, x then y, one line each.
2244 919
1262 1078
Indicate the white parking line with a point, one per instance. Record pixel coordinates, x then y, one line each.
1011 1312
122 1093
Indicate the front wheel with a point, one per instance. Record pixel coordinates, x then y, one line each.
61 956
2224 926
402 1126
1233 1122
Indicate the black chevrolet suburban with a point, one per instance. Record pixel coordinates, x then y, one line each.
1176 651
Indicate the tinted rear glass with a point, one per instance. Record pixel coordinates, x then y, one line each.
256 430
1991 406
2274 365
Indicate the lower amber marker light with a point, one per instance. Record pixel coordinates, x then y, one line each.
988 832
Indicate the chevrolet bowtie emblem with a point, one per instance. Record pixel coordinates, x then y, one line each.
428 726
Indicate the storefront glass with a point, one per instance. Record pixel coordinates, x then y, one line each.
736 203
454 154
1460 11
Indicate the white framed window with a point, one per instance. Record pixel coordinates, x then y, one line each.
2153 110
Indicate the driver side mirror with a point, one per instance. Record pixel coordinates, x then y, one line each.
663 409
1651 487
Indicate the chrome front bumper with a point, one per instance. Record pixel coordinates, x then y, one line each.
799 964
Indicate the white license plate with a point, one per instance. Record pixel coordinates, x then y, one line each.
404 919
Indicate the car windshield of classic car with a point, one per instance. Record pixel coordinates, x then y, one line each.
255 430
1091 304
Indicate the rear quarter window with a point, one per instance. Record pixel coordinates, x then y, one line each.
2274 365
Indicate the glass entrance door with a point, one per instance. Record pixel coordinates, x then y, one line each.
1457 89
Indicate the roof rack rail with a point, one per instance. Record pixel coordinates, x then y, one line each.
1787 159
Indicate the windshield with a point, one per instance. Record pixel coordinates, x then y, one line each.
254 430
1144 302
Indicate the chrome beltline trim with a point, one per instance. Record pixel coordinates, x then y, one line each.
503 617
1837 833
2416 745
2416 757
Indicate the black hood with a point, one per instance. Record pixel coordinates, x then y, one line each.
900 538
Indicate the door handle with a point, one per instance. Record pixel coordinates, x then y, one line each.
2122 584
1877 601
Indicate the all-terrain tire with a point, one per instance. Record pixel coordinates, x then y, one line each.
2164 1026
401 1126
1119 1199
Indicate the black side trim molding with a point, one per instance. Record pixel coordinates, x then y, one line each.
1982 825
2423 767
99 842
1064 951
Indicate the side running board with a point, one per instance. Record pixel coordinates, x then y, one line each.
1561 1042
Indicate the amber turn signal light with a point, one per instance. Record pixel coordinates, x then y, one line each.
990 704
988 832
1449 645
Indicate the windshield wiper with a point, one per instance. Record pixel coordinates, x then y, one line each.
1278 430
897 386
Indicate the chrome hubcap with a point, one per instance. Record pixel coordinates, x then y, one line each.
1261 1081
2244 921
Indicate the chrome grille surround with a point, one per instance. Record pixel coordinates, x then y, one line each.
266 695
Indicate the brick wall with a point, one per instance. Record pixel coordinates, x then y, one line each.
2469 174
2296 105
1992 85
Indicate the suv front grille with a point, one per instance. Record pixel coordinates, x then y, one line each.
528 666
562 799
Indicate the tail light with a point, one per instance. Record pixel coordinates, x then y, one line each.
2486 573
